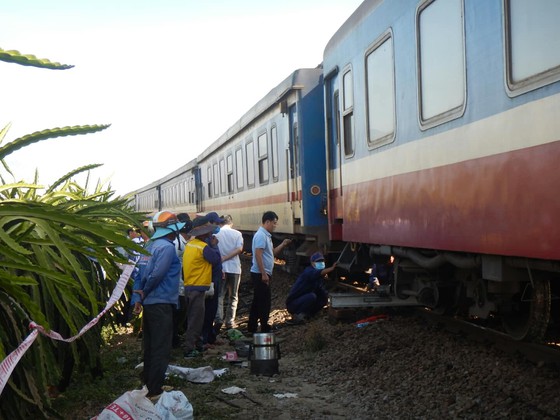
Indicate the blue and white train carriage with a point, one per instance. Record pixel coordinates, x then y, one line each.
444 140
177 192
273 158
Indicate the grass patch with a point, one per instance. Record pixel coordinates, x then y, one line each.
87 396
314 339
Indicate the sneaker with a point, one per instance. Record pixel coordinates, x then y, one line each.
191 354
299 317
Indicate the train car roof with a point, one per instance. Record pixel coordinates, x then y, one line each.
183 169
299 80
355 18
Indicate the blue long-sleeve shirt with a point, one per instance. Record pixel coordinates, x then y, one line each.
310 280
216 261
159 274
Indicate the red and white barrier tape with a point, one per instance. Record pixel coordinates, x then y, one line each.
9 363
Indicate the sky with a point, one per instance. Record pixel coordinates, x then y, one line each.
170 76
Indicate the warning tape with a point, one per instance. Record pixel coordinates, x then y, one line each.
9 363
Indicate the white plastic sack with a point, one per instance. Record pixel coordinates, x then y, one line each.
174 405
285 395
201 375
132 405
232 390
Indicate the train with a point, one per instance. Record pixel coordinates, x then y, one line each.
429 133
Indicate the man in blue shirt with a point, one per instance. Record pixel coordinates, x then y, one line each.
261 272
156 292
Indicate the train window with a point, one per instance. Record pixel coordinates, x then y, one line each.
210 182
262 150
274 153
348 113
250 159
229 171
380 82
239 169
441 67
222 176
216 178
533 56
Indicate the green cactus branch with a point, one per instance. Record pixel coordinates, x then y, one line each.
13 56
48 134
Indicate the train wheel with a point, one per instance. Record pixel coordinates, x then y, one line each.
448 298
528 314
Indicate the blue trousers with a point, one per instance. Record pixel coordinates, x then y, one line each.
308 304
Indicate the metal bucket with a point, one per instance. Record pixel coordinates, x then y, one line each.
264 354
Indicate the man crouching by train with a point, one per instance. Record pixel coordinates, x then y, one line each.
308 294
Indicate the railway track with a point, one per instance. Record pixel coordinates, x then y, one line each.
547 353
538 353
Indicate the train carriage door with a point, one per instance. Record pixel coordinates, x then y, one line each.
334 159
293 162
198 189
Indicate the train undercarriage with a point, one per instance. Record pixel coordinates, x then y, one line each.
520 295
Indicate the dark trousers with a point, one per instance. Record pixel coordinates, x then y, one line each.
195 318
210 310
260 307
157 335
179 320
308 304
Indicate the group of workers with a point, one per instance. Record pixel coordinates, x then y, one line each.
189 269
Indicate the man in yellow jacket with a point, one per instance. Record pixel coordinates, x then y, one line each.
199 256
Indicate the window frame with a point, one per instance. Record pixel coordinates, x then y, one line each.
210 187
527 84
216 177
275 158
250 163
229 173
457 111
387 138
222 169
239 171
262 158
348 114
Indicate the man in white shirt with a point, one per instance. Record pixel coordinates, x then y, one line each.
230 245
